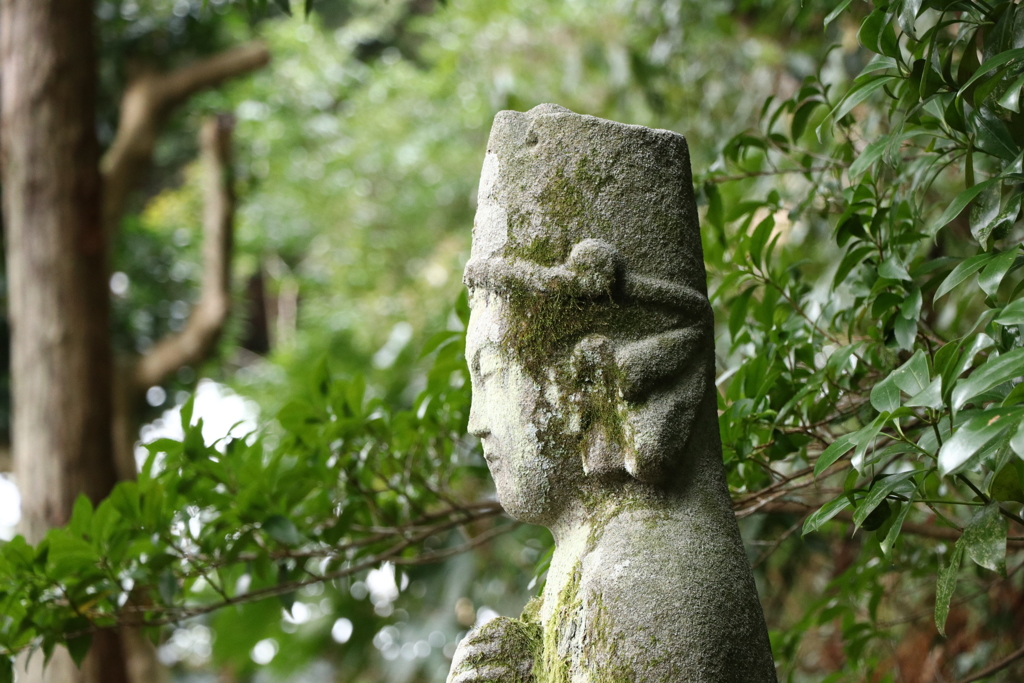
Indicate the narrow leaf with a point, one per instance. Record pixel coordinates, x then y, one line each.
945 586
825 513
1012 314
993 372
963 271
835 450
889 541
879 492
955 207
994 272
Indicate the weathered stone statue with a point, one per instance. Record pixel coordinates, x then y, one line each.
592 359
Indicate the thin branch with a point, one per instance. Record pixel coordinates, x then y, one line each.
995 668
145 107
193 344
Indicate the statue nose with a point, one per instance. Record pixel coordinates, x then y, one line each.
476 426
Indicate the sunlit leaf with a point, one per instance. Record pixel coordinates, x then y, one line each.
825 513
973 435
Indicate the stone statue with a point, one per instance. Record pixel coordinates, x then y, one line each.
591 354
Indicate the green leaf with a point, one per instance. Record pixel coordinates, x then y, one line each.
893 532
866 159
912 377
1012 313
860 92
738 312
985 538
984 214
906 332
186 413
760 238
309 7
993 372
945 586
973 435
1007 485
994 272
6 669
68 555
81 516
885 395
840 8
877 34
837 449
893 269
825 513
966 268
852 259
167 586
1011 98
908 16
992 136
930 397
285 5
989 65
879 492
866 438
911 306
953 210
1017 441
282 530
78 648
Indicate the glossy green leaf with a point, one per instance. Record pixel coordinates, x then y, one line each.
912 377
840 8
985 539
930 397
876 34
882 489
893 269
1017 441
905 331
994 371
825 513
994 272
1012 313
885 395
972 435
945 586
990 65
837 449
893 531
967 267
992 136
1011 98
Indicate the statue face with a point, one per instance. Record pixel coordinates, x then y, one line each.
514 417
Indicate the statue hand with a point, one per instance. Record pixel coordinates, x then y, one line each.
500 650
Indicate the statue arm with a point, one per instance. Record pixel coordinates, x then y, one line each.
502 650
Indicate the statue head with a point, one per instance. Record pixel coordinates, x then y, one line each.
590 337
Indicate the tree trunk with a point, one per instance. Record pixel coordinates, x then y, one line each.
57 265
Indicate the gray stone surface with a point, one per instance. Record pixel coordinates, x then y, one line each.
592 359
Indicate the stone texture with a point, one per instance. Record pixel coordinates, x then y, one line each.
592 359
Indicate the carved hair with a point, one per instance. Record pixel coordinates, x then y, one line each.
638 350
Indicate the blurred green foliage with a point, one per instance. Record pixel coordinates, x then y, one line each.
861 200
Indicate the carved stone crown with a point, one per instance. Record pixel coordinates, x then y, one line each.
577 205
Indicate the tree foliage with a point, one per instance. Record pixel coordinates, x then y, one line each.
863 246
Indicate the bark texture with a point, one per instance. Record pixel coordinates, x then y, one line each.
57 268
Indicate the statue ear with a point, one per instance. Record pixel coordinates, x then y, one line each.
601 410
